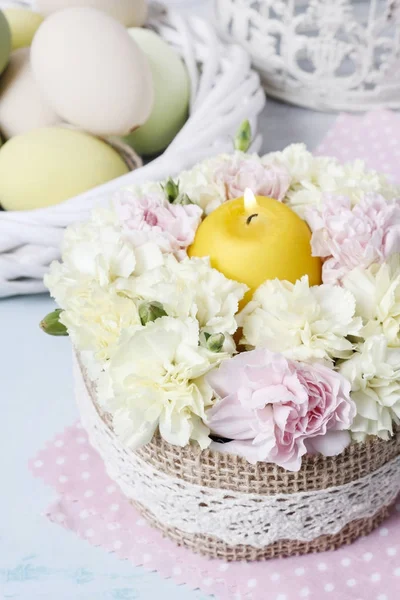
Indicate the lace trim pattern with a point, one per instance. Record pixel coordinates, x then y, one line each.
236 517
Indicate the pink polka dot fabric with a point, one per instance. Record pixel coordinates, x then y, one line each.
92 506
373 137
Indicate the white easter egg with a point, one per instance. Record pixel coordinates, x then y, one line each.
171 94
22 106
131 13
91 72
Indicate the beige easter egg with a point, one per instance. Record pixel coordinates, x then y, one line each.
47 166
23 24
91 71
131 13
171 94
22 106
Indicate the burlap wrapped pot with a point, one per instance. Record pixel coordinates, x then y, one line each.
223 507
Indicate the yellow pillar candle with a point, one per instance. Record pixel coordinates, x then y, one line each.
255 238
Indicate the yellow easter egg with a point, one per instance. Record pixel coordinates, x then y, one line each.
23 24
47 166
5 42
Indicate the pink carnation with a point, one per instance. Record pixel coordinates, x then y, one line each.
275 410
151 218
239 173
354 237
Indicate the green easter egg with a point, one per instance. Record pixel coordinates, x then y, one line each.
5 42
23 24
171 94
47 166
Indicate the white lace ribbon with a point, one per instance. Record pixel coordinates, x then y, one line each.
236 517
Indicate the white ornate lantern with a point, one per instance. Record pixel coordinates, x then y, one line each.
322 54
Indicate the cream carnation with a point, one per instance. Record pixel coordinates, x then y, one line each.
201 185
377 294
309 174
314 176
296 159
191 288
374 374
95 319
301 322
152 382
356 181
96 252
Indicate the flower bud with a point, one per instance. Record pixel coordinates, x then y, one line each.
171 190
51 324
182 199
215 341
150 311
243 137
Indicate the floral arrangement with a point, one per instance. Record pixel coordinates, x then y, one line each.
171 345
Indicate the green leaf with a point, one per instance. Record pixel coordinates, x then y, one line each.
150 311
243 137
51 324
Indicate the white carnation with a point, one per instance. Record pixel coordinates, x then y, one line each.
377 294
296 159
314 176
374 374
201 185
151 382
356 181
191 288
97 252
149 188
302 322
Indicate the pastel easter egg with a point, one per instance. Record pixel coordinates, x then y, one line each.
5 42
23 24
171 94
47 166
22 106
131 13
100 80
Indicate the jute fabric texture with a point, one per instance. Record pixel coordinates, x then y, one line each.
222 506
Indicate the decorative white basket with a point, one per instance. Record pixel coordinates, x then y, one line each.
322 54
224 92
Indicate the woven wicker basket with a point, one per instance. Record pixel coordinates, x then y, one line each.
219 75
330 501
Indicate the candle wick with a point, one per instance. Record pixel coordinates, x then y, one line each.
248 220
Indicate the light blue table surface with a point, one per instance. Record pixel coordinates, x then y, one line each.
39 560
